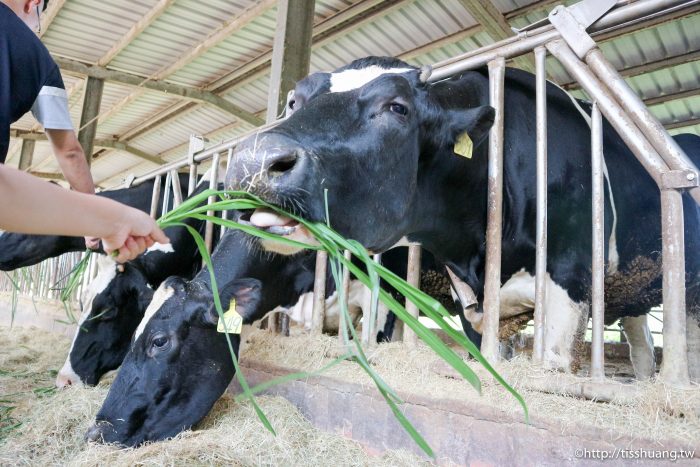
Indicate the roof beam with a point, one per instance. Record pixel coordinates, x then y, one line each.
49 15
649 67
123 146
48 175
185 92
135 30
672 96
495 24
682 123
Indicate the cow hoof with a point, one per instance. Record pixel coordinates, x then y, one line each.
554 361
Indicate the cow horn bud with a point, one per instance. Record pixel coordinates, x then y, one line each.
425 73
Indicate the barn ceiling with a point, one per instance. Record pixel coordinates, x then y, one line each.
222 48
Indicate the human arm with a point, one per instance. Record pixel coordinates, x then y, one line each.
30 205
71 159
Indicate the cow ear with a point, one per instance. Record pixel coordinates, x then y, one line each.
246 292
475 122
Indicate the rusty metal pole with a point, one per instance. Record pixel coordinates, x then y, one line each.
541 246
494 222
319 308
598 253
655 132
674 367
155 196
343 332
413 278
213 179
177 188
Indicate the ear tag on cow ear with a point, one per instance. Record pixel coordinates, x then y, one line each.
464 145
233 321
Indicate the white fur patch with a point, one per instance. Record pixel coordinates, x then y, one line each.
159 298
163 248
641 346
353 79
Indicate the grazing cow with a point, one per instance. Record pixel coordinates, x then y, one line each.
116 299
20 250
384 150
181 311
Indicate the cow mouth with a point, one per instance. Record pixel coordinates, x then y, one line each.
270 221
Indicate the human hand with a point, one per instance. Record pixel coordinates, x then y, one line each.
133 234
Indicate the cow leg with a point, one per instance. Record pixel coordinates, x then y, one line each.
693 332
564 321
641 344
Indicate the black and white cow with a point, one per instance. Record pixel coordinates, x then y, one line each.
383 147
21 250
115 300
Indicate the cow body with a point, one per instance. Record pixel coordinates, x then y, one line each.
385 153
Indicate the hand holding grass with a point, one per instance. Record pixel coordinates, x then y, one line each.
33 206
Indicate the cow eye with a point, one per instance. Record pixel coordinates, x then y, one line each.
397 108
292 103
160 341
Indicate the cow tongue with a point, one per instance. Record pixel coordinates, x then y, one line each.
264 218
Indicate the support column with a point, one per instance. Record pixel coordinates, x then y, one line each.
88 118
291 51
27 154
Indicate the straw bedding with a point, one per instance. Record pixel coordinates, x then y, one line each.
53 423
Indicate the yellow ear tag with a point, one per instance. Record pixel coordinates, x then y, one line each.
464 145
233 321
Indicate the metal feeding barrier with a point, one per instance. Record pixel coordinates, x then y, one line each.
564 36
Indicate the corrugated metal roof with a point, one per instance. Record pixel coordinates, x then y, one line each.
86 31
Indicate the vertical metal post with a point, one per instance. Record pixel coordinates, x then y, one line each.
196 145
413 278
193 178
319 308
166 193
541 247
369 318
343 333
492 285
224 215
155 196
674 368
177 188
598 245
209 227
26 156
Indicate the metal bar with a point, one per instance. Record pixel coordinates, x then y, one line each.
494 221
213 182
628 131
343 332
527 41
598 253
541 247
654 131
319 308
225 214
177 188
674 368
166 193
413 278
192 183
155 197
26 155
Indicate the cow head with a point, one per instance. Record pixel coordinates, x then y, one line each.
178 366
367 146
112 308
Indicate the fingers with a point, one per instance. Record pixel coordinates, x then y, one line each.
92 243
159 236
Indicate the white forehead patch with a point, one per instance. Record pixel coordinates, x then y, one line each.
163 248
106 272
353 79
159 298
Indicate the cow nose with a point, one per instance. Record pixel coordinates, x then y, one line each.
67 377
279 162
95 433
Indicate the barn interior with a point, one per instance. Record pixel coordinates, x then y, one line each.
152 83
